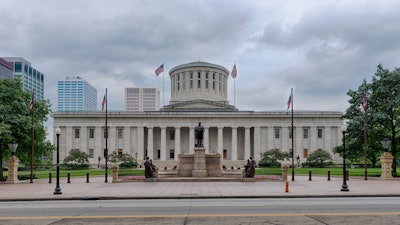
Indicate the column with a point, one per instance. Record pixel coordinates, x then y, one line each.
191 139
220 140
112 139
327 138
127 141
246 142
98 149
150 142
257 143
234 143
313 139
84 140
163 149
177 142
70 135
140 143
298 146
270 138
206 138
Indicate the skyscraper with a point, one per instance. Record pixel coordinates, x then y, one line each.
6 69
142 99
32 79
75 94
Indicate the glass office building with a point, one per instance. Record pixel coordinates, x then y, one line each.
74 94
32 79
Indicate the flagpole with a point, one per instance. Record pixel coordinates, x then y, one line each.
33 134
106 149
163 84
234 92
291 94
365 143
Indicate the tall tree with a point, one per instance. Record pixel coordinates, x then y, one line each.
385 105
16 122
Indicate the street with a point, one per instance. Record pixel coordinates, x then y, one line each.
340 210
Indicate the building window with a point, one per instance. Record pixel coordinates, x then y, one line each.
91 153
319 133
290 133
76 133
305 132
191 80
290 151
119 151
225 154
305 153
171 154
171 135
277 133
91 133
120 133
199 83
105 133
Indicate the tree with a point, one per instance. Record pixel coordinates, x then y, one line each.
319 158
382 116
77 159
124 159
271 157
16 122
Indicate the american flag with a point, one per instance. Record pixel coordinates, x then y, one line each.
159 70
234 71
289 101
103 102
364 102
32 102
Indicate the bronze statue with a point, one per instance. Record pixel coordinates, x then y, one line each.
199 133
249 168
149 168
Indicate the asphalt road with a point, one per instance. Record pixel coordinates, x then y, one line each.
205 211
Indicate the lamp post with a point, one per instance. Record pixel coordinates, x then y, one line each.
344 185
13 147
57 190
385 143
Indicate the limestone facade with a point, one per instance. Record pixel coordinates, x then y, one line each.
163 135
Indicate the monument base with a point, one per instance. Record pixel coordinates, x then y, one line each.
199 173
199 164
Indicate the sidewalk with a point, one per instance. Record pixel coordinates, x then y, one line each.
78 189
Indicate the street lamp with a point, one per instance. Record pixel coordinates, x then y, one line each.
57 190
344 185
13 147
385 144
1 160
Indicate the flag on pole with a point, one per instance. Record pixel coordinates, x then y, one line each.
364 101
31 103
234 71
159 70
289 101
103 102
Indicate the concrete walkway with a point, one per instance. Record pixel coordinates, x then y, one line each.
97 189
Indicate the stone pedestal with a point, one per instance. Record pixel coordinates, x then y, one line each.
386 164
199 163
115 169
12 164
284 172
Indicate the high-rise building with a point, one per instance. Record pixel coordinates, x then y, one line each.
32 79
6 69
142 99
75 94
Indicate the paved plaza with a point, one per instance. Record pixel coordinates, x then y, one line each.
98 189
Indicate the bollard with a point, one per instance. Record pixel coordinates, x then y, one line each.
87 177
347 175
309 176
329 175
69 178
49 178
287 186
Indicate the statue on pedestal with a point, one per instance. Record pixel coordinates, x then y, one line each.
250 167
199 134
149 168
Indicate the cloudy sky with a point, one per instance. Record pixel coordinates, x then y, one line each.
321 49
